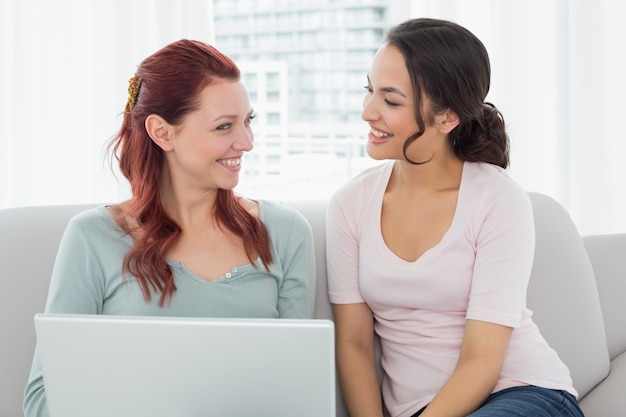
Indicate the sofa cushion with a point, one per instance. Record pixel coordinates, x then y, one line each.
563 295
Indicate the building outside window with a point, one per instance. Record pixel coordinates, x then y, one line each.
325 48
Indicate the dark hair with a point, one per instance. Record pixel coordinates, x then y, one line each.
450 66
169 83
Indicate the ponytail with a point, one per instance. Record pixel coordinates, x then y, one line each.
483 139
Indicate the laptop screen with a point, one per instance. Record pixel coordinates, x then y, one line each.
126 366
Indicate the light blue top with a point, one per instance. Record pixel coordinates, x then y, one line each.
87 279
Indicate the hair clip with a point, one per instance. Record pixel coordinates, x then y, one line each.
134 83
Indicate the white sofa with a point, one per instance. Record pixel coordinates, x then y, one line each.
577 291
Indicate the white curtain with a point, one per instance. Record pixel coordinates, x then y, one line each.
557 66
558 77
63 78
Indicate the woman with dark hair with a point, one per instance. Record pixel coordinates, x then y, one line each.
433 250
185 244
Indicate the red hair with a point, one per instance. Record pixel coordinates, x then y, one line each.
170 82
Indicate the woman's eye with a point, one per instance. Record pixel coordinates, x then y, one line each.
369 89
391 103
225 126
250 118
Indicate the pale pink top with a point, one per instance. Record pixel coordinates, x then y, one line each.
479 270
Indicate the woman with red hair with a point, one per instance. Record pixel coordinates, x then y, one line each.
185 244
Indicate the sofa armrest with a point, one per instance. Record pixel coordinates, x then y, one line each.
608 258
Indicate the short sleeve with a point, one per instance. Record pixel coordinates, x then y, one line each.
505 243
342 250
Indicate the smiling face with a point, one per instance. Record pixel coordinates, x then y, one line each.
205 151
389 109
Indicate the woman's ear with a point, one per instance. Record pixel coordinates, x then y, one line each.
447 121
159 131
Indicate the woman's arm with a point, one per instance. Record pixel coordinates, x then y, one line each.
356 363
296 295
353 318
476 373
503 261
76 286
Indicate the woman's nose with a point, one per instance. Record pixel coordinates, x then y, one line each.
245 141
369 112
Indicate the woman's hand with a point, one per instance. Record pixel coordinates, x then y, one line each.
477 370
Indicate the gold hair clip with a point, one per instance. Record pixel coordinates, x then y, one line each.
133 92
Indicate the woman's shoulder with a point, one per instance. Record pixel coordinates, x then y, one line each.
278 214
96 221
92 217
489 177
285 225
364 184
369 174
491 185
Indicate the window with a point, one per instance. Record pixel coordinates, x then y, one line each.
273 118
305 63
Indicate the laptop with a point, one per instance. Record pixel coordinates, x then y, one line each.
128 366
